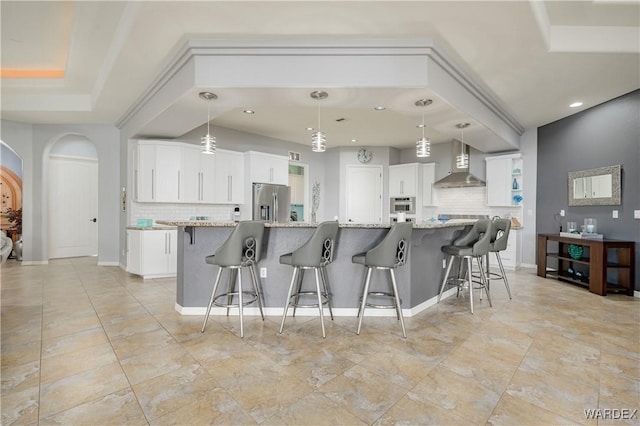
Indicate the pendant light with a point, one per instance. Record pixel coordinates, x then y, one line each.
423 145
462 160
319 138
208 142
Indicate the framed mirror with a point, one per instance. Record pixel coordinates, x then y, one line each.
595 187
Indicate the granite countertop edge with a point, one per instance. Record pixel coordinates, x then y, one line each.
228 224
152 228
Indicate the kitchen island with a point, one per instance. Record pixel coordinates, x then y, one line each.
418 281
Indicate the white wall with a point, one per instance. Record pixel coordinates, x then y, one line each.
529 144
33 143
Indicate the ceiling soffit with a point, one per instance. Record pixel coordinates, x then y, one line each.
397 64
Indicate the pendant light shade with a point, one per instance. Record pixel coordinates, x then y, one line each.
319 138
462 160
208 142
423 145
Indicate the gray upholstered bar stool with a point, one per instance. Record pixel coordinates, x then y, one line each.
472 245
315 254
241 249
389 254
499 238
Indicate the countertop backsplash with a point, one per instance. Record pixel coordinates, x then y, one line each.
168 211
468 201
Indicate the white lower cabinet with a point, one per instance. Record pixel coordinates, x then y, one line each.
152 253
511 256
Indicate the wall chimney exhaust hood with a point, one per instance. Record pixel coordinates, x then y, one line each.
459 178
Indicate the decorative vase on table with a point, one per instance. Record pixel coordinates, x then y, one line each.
17 248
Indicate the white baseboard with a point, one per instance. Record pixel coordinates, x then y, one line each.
34 262
528 265
307 312
104 263
636 293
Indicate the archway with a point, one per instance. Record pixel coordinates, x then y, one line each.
72 198
11 196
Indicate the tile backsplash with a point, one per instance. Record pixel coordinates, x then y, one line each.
168 211
467 201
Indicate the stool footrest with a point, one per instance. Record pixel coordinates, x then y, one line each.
252 295
381 294
325 299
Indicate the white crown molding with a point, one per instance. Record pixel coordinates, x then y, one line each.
192 49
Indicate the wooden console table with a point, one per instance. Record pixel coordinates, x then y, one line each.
605 265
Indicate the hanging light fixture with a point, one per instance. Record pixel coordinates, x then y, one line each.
319 138
208 142
423 145
462 160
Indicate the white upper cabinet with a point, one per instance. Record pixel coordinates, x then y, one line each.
157 174
190 176
428 171
174 172
266 168
229 177
403 180
198 175
504 180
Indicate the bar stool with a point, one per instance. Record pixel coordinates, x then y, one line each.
499 238
472 245
389 254
315 254
241 249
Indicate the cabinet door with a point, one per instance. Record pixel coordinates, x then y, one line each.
190 177
145 173
428 178
229 178
134 247
267 168
402 180
236 177
154 252
280 170
207 176
167 173
172 251
499 182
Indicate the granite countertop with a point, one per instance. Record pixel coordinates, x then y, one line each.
223 224
151 228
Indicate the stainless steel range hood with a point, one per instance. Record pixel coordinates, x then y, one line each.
459 178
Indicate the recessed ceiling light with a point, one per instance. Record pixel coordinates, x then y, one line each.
420 126
379 108
310 129
249 111
576 104
354 140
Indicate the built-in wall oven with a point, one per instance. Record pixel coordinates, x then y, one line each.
405 205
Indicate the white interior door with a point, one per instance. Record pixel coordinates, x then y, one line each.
364 194
73 207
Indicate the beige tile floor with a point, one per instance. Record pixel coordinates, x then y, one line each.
83 344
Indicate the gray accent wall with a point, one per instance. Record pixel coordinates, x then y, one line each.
604 135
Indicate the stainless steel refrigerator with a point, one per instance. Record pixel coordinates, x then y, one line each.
271 202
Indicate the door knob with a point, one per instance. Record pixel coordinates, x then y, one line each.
94 220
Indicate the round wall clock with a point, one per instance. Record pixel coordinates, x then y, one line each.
364 155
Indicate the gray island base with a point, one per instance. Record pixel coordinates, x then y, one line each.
418 281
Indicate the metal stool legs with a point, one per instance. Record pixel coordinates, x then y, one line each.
321 291
235 272
501 276
484 284
394 295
